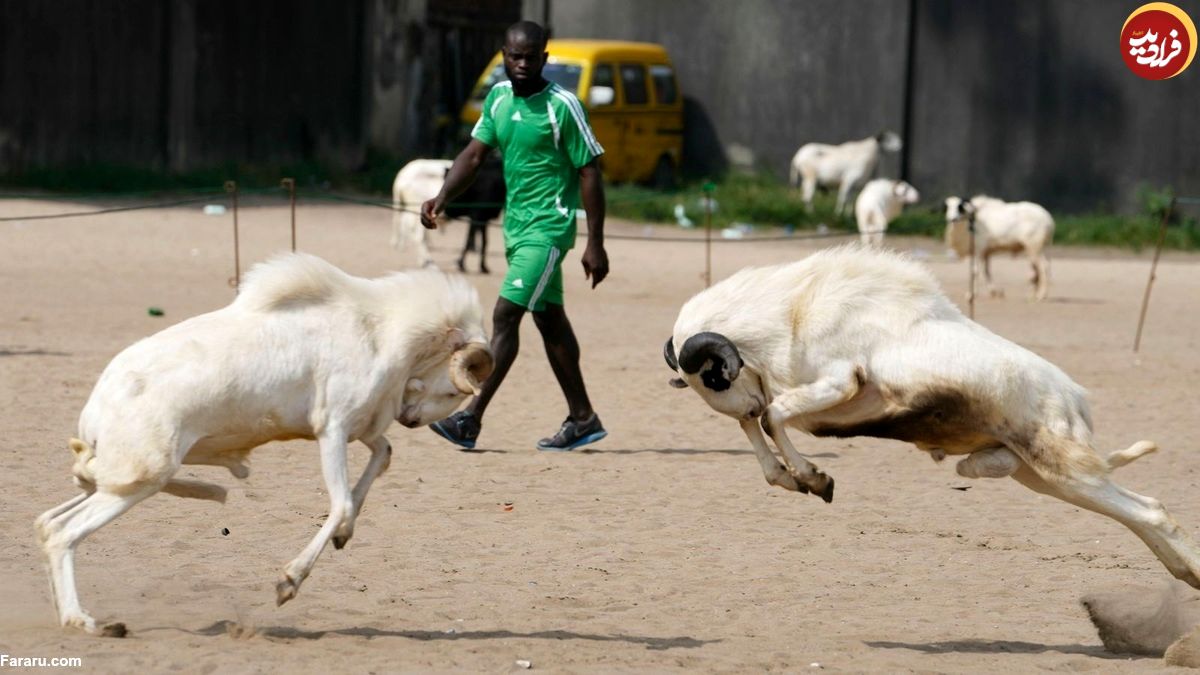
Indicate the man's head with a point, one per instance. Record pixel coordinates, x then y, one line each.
524 53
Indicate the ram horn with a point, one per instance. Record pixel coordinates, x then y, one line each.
669 354
711 348
470 366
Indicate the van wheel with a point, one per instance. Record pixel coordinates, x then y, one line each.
663 177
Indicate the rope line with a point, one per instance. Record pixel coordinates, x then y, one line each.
97 212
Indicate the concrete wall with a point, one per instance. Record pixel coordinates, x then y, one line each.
1021 98
1027 99
1030 100
762 77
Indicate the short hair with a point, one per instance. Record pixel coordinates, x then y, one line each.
529 30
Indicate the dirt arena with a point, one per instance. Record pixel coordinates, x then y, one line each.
661 549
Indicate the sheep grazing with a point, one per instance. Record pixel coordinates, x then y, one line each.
305 351
420 180
1002 226
843 166
862 342
878 204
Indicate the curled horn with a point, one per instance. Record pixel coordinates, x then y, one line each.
469 366
714 348
669 355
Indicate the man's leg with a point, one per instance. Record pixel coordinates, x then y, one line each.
506 340
562 349
582 426
462 428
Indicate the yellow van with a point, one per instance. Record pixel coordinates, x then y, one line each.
632 98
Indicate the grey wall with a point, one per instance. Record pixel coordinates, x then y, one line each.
1026 99
1030 100
1021 98
766 76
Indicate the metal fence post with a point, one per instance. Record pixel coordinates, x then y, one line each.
231 187
1162 234
289 184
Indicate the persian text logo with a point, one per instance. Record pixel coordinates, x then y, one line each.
1158 41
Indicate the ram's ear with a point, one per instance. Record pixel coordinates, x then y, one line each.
455 338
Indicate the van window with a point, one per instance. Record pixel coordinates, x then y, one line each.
633 81
565 75
664 84
602 76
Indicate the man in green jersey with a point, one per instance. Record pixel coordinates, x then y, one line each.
550 161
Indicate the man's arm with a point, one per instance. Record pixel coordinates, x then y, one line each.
458 178
595 260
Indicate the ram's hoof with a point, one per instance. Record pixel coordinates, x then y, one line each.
827 492
285 590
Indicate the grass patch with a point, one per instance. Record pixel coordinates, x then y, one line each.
763 200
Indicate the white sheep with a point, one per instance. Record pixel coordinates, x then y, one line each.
1002 226
843 166
305 351
416 182
862 342
880 201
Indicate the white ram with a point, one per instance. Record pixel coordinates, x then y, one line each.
844 166
305 351
862 342
1001 226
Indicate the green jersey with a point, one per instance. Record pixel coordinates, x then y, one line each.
545 138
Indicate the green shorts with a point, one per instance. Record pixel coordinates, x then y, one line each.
534 276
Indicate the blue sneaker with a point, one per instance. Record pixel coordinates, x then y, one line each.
461 429
574 434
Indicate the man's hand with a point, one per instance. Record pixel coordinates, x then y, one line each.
430 210
595 263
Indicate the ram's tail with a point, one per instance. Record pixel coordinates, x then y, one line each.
1119 458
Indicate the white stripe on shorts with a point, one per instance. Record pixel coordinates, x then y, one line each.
541 287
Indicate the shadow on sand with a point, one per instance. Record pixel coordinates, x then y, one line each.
997 647
690 451
19 351
234 629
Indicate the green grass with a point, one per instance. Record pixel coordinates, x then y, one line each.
764 200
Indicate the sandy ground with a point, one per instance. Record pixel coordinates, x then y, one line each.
661 549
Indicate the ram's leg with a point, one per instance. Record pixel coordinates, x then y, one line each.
398 235
420 239
837 385
341 502
843 195
990 463
993 290
1041 277
775 472
63 530
381 457
234 460
807 190
1053 470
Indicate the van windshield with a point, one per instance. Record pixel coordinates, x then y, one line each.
565 75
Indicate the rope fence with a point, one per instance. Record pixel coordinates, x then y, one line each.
288 185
